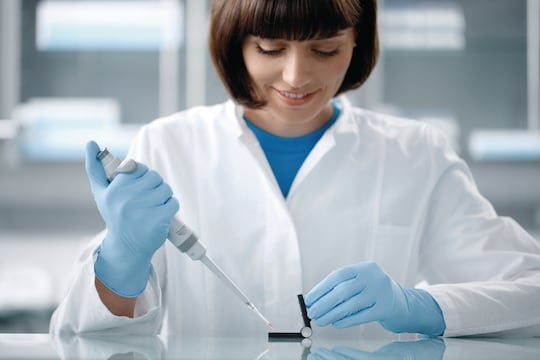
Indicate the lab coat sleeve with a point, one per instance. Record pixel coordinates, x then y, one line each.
82 312
484 269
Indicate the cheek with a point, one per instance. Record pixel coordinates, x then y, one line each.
335 75
260 72
336 71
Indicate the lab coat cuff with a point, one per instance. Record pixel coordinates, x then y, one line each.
148 301
449 309
151 296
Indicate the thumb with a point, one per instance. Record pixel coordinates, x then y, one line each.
94 168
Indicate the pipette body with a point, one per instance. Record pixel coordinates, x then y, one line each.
179 234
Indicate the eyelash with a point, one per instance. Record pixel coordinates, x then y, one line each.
278 51
260 50
327 53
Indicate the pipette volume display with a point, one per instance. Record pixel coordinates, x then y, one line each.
179 234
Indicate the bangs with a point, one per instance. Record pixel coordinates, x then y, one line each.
298 19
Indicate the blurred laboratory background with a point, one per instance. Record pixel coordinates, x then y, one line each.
74 70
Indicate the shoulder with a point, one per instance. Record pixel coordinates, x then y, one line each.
192 117
402 131
190 125
401 139
182 131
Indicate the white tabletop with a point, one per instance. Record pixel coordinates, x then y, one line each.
42 346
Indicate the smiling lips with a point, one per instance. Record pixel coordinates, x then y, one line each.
295 98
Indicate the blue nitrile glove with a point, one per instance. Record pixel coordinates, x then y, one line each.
362 293
137 208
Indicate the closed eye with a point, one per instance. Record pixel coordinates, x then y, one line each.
326 53
269 52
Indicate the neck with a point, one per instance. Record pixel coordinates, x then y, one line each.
287 125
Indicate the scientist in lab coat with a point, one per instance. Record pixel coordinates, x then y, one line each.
294 190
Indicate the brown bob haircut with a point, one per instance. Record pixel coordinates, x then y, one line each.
231 21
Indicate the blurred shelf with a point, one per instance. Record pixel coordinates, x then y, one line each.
508 183
45 184
26 322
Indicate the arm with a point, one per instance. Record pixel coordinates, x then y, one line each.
81 310
484 269
116 304
477 260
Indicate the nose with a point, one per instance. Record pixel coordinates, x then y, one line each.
296 70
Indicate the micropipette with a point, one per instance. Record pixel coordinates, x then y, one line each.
179 234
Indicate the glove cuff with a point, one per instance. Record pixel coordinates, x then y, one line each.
123 277
425 314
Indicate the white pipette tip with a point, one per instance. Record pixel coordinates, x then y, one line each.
252 307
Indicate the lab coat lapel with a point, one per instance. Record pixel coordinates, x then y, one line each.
249 140
323 146
283 278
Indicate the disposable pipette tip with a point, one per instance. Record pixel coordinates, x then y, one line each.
252 307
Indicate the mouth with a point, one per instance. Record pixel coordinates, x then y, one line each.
292 95
295 98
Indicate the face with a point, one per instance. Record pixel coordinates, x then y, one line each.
296 79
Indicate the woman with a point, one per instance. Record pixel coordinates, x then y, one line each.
287 183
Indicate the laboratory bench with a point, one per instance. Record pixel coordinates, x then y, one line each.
43 346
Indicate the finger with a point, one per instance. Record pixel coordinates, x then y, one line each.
144 182
155 197
169 209
368 308
345 309
328 283
162 215
364 316
345 292
94 169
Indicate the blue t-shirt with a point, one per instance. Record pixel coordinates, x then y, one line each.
285 155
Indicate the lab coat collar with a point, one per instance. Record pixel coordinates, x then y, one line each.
341 127
236 111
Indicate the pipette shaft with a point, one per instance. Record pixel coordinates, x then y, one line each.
227 281
179 234
187 242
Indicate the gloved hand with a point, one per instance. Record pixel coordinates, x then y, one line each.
137 208
362 293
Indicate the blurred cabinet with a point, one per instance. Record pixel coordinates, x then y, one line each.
42 58
469 62
459 62
470 66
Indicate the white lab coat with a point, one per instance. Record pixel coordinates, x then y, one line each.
374 187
